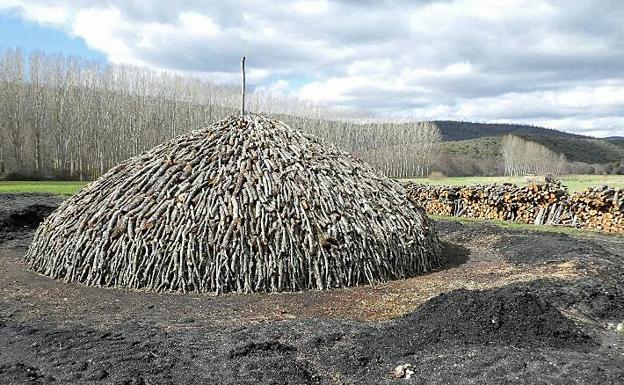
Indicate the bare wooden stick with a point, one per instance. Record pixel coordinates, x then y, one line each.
243 86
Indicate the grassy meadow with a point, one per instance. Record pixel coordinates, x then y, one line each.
50 187
572 182
526 226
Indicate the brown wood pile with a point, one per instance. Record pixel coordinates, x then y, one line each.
248 204
600 208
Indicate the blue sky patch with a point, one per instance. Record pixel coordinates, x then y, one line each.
19 33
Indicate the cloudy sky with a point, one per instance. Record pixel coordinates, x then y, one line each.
558 64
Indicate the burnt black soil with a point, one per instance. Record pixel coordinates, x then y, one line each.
21 213
512 315
445 340
531 248
598 297
546 331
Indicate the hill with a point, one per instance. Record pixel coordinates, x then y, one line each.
487 147
575 149
582 150
457 130
617 142
483 140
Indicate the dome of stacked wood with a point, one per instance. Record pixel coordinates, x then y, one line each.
248 204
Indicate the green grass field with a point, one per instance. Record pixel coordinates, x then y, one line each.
573 182
51 187
527 226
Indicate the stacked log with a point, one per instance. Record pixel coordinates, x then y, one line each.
599 208
248 204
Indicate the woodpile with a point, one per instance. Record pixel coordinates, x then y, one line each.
246 205
600 208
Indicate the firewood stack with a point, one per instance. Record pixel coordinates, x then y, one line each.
549 203
599 208
245 205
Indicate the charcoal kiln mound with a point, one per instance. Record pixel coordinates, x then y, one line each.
248 204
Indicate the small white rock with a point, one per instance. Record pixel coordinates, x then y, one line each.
620 327
403 371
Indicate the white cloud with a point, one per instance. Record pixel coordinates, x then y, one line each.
530 61
47 14
197 24
103 30
311 7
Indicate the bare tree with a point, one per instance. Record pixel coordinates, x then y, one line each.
14 90
524 157
76 118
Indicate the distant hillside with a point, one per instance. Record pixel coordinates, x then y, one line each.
454 130
617 140
583 150
488 147
575 149
483 140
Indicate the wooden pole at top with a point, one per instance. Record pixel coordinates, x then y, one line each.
243 86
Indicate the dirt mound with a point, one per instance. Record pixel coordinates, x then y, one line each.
594 298
267 362
510 315
532 248
600 299
261 348
22 213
